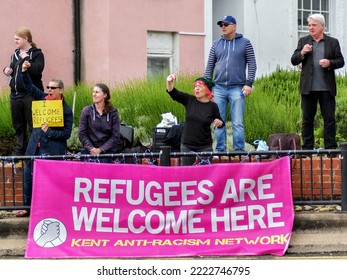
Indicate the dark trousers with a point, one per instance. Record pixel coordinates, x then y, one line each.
309 109
22 122
186 161
28 182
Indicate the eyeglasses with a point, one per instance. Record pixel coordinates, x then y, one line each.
225 24
48 87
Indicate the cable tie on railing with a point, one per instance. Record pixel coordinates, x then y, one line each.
204 160
244 157
14 166
295 154
77 156
278 156
120 158
192 152
153 160
135 158
329 153
119 161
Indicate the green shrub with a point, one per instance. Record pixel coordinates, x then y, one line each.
273 107
6 128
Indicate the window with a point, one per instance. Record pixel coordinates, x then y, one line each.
158 65
307 7
161 56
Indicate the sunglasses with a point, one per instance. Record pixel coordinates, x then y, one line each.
48 87
225 24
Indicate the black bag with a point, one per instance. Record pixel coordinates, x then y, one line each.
127 135
173 135
284 141
126 138
167 136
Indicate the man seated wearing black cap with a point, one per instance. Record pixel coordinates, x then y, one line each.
201 112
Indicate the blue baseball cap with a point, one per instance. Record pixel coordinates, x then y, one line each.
227 19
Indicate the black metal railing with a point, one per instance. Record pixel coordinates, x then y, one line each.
310 168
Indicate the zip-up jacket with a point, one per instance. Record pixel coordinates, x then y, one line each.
228 59
37 60
332 51
53 141
99 131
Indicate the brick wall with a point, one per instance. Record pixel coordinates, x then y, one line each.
11 186
322 181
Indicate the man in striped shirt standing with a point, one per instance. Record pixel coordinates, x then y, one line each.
230 56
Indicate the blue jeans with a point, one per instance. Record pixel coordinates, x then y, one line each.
237 109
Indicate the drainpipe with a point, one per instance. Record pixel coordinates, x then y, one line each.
77 36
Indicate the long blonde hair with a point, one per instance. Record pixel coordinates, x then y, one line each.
24 32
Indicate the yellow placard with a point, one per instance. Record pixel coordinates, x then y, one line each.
49 112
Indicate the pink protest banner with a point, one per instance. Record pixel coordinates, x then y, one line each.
95 210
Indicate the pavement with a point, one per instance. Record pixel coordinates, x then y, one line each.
314 234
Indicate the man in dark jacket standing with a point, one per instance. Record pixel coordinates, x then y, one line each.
319 56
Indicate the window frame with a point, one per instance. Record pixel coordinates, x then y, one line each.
304 12
168 53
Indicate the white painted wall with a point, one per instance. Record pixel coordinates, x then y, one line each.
271 26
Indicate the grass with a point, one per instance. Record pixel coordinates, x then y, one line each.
273 107
6 128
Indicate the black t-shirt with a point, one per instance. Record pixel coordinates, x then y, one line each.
198 120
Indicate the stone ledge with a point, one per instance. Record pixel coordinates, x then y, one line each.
313 233
320 221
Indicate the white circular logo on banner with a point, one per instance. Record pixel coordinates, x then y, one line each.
49 233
